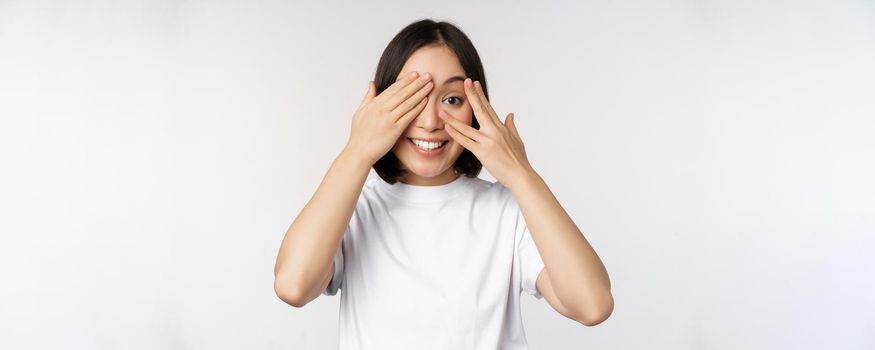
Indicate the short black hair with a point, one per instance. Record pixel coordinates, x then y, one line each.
414 36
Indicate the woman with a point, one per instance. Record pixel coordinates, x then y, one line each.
428 255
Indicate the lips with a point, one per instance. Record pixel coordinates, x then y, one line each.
419 142
427 139
427 153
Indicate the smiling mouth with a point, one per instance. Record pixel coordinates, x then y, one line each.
428 146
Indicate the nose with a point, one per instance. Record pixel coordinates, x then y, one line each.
428 119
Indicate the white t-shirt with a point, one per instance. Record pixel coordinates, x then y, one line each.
434 267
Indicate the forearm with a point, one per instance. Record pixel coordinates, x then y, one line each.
576 272
310 243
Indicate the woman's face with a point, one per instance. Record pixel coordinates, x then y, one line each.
435 167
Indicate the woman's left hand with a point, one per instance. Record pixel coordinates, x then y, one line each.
497 145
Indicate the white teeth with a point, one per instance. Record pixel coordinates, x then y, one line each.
427 145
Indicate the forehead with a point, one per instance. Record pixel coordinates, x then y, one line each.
440 61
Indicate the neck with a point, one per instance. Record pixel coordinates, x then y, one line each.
444 178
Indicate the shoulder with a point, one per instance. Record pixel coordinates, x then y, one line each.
369 199
493 194
496 202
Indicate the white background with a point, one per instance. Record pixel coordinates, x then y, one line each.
717 154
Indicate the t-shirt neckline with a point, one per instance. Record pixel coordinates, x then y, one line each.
424 194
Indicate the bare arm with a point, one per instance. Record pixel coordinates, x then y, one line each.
305 263
574 280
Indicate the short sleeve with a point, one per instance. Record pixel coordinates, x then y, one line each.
530 260
337 278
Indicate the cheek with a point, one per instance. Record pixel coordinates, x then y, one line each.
467 118
400 142
467 114
464 114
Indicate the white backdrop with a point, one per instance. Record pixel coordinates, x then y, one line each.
717 154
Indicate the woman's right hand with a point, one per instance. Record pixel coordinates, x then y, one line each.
380 119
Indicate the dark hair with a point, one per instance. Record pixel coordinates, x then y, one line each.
414 36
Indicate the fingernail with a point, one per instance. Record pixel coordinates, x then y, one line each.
425 77
413 74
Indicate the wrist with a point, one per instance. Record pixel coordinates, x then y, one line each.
524 179
351 158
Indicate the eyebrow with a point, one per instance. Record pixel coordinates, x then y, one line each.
449 80
454 79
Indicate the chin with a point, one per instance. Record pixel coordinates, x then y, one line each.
430 172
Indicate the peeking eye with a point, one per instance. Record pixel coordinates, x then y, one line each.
459 100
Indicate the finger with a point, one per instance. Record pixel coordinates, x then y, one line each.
461 139
397 98
477 106
462 128
411 114
412 101
486 104
398 84
510 123
372 92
